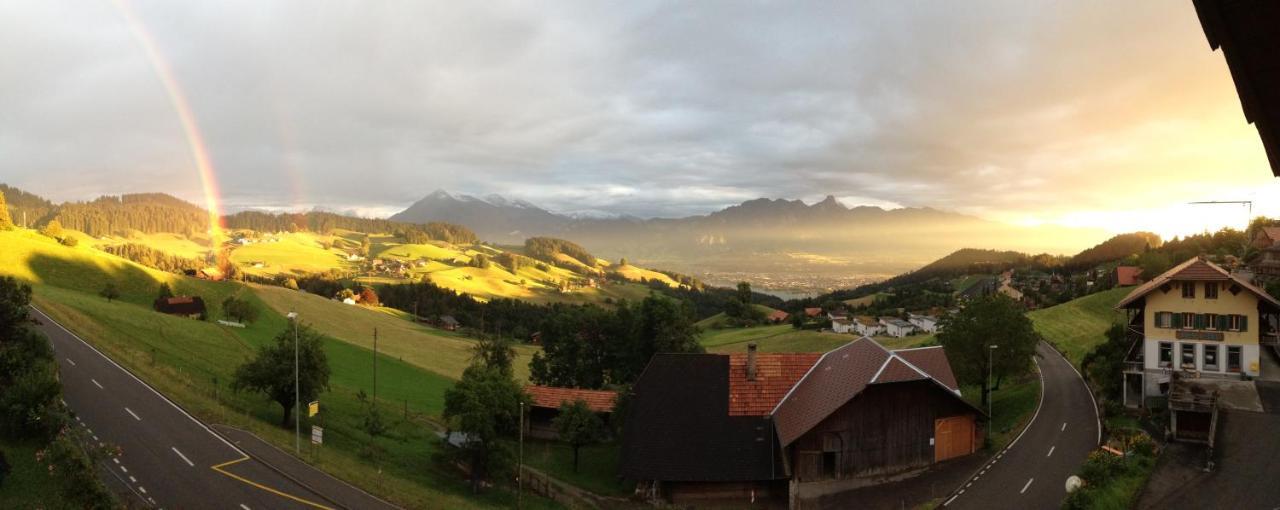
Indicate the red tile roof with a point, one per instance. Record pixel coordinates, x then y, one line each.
1128 275
812 312
775 375
1195 269
778 315
600 401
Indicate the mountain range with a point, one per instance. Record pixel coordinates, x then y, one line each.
757 235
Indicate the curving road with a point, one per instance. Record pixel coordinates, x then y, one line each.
1032 471
170 459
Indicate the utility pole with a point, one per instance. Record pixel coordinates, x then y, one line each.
297 408
520 463
375 367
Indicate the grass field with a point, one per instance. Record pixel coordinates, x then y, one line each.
784 338
442 352
193 361
1079 325
294 254
636 274
597 465
173 244
1011 406
864 300
718 320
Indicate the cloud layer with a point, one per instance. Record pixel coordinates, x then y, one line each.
1028 111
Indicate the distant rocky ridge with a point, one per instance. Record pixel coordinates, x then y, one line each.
760 234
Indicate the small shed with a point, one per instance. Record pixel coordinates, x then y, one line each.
183 306
545 401
447 322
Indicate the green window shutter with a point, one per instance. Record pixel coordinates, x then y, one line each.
1244 323
1222 322
1177 320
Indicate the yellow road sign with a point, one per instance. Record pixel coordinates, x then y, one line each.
313 408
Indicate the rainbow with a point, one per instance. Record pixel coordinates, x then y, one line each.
187 117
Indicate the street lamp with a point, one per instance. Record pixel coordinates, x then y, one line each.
990 398
297 428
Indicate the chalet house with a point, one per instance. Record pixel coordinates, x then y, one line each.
1268 265
843 326
735 429
925 323
867 326
1127 276
182 306
896 327
812 312
837 315
210 273
1197 320
1266 237
545 401
778 317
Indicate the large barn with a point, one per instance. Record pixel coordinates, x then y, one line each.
786 428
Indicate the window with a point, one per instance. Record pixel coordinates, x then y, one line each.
1189 290
828 465
1211 321
1189 356
1237 323
1233 358
1188 320
1166 354
1164 319
1210 357
1211 290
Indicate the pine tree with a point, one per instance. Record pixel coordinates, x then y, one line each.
6 223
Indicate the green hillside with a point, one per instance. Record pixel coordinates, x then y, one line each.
784 338
717 321
1077 326
193 361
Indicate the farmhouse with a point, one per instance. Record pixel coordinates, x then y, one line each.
926 323
784 427
843 326
447 322
183 306
1197 320
896 327
812 312
210 273
778 316
867 326
545 401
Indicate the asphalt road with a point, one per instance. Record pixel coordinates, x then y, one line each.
169 459
1032 471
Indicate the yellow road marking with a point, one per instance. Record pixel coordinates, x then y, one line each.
219 469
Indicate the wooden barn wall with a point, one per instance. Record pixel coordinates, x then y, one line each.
884 429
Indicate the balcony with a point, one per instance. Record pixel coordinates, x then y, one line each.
1133 360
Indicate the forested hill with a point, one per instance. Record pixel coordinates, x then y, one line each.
1116 248
19 202
316 221
145 212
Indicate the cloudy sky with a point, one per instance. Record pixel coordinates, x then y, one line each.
1109 114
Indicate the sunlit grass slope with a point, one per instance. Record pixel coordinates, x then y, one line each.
1079 325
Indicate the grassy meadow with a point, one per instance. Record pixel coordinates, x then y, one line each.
1079 325
193 362
784 338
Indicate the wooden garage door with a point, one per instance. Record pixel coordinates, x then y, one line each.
953 437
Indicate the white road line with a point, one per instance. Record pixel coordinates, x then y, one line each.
95 438
953 498
125 469
117 460
133 414
95 383
1050 451
140 381
142 489
132 479
184 457
244 507
1024 487
1064 426
71 362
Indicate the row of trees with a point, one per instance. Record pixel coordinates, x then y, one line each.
326 222
546 249
145 212
152 257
